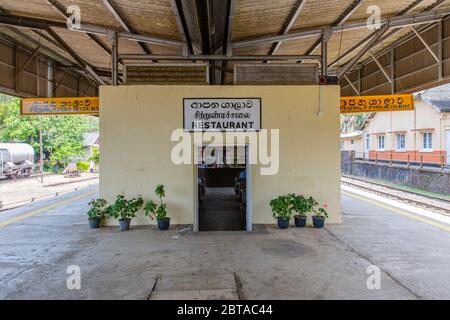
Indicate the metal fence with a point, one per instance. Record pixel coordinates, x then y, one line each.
420 160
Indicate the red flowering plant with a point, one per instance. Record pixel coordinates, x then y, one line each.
321 212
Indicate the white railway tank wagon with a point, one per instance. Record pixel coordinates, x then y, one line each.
16 160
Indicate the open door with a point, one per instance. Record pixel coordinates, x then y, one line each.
223 189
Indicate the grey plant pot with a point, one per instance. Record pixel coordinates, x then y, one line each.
124 224
94 223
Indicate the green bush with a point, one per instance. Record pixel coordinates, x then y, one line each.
83 166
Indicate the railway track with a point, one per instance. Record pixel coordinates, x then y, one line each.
427 202
32 176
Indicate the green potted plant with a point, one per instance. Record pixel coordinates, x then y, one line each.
125 210
299 207
97 212
281 210
158 211
319 216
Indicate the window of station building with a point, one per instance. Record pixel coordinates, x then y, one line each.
401 141
352 141
368 143
427 139
381 142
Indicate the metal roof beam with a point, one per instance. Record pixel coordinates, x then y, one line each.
352 85
35 42
394 22
363 51
230 26
425 44
34 23
339 21
112 8
381 67
30 57
75 56
62 11
219 57
290 22
69 64
435 5
181 24
228 49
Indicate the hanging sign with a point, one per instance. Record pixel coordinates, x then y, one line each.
55 106
222 114
166 74
395 102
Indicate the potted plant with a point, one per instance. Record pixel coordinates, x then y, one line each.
299 205
125 210
96 213
281 210
159 212
319 216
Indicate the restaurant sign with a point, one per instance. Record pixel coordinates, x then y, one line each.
55 106
396 102
222 114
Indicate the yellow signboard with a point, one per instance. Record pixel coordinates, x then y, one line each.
54 106
395 102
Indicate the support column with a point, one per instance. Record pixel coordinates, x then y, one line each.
324 50
16 70
392 57
359 81
440 50
115 58
50 78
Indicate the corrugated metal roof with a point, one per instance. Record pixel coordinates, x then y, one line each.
441 105
91 138
354 134
252 19
439 97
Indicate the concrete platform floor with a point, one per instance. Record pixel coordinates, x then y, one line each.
220 210
143 263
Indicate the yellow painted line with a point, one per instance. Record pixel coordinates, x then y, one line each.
41 210
399 211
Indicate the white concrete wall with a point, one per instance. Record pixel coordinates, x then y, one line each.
357 145
136 123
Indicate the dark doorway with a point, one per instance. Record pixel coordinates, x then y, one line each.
222 190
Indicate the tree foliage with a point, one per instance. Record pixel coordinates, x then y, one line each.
95 155
352 122
62 135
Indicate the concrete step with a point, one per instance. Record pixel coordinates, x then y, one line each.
195 287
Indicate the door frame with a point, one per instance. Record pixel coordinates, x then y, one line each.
248 191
